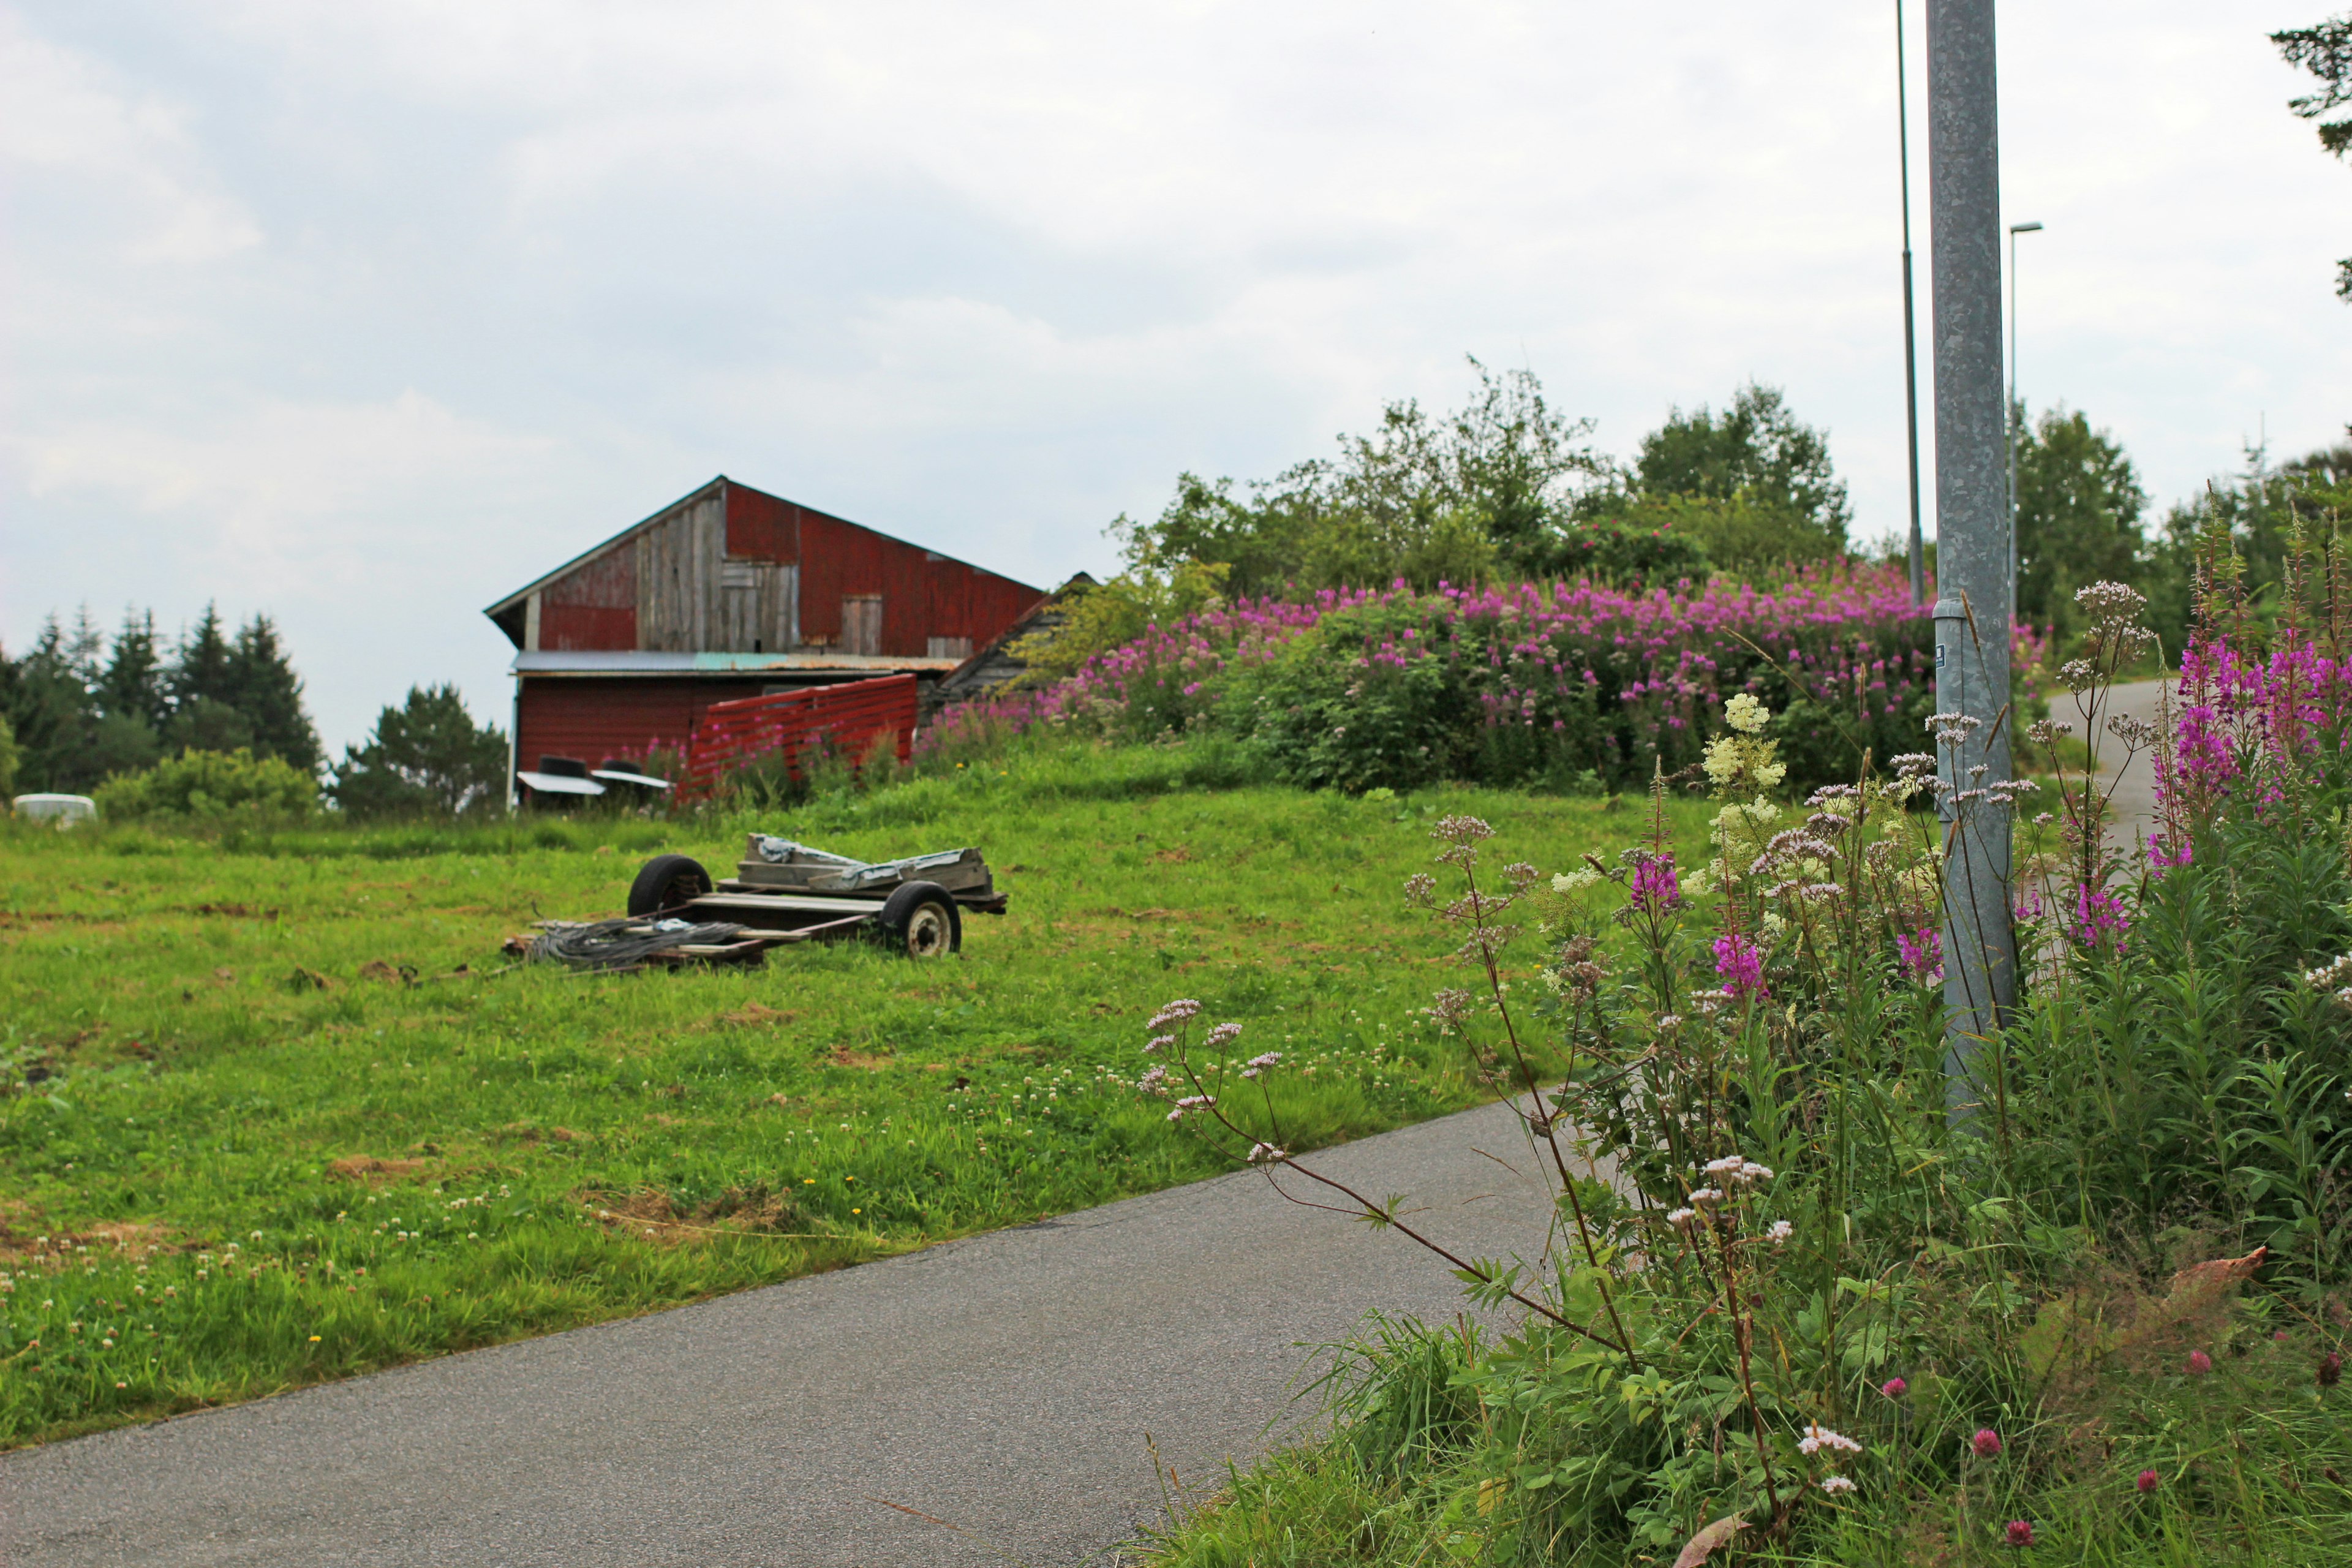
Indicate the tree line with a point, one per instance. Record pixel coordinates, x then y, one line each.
1508 487
79 707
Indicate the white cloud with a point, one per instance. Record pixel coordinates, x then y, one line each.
130 156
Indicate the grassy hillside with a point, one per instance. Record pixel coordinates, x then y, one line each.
273 1109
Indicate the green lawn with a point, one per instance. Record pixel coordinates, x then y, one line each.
271 1112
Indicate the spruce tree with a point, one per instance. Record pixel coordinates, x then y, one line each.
201 670
135 684
266 690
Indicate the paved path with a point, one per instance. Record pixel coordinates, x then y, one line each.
1004 1383
2134 797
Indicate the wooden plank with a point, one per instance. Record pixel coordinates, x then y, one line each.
721 906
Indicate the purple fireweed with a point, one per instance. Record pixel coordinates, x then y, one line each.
1636 673
1740 962
1921 955
1655 888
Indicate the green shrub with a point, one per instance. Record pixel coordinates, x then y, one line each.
211 785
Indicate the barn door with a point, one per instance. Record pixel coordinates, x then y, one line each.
739 627
861 622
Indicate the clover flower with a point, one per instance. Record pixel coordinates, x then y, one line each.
2199 1363
1895 1388
2331 1370
2148 1482
2021 1533
1986 1443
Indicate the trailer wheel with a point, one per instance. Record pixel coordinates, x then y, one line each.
667 882
921 921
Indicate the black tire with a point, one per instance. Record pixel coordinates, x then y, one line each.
921 921
667 882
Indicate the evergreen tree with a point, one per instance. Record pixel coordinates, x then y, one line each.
46 700
201 671
426 756
269 694
135 684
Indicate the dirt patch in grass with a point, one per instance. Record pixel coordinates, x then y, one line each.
524 1133
22 1242
375 1173
652 1215
753 1015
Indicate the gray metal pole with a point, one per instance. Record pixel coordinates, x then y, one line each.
2011 411
2009 417
1919 559
1972 610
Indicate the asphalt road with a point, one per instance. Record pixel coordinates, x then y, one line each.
1004 1384
2134 799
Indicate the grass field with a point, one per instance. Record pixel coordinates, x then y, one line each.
276 1113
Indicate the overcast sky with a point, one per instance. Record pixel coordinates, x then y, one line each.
363 315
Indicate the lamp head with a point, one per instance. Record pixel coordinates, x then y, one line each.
2023 228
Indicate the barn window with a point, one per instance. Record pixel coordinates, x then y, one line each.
861 624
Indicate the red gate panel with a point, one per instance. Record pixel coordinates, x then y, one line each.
849 717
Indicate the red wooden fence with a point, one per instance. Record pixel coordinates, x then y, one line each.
848 717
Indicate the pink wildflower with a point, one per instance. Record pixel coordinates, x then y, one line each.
2199 1363
1655 886
1986 1443
1922 954
2148 1482
1741 963
2021 1533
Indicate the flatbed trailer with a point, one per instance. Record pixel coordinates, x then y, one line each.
783 892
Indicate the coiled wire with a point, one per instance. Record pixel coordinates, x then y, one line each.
619 943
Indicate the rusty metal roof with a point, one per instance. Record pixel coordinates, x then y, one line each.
640 662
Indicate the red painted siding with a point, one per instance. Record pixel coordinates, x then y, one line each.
923 596
596 719
593 606
761 527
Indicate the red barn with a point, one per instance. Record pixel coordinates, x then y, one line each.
730 592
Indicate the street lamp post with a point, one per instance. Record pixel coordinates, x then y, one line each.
1919 559
2015 414
1972 616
